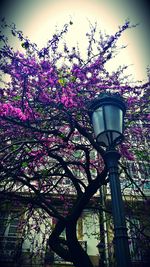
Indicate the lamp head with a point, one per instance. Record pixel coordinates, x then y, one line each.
107 113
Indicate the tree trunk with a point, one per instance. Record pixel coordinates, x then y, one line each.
78 255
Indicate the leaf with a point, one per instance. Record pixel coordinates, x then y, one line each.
15 147
62 81
18 97
24 164
25 45
62 135
73 78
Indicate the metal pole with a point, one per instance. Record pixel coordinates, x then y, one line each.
103 229
122 252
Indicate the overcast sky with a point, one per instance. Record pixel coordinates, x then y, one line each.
38 18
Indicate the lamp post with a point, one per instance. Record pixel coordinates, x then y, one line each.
107 115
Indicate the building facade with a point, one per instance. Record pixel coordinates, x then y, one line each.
23 240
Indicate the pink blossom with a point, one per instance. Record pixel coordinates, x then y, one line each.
11 111
131 100
148 116
124 149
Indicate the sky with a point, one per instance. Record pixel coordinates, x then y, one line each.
38 20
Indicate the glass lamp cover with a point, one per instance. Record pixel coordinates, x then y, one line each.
98 121
114 118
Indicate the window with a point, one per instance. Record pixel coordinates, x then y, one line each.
9 242
133 226
139 173
8 224
3 222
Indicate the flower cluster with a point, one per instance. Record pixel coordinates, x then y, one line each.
7 110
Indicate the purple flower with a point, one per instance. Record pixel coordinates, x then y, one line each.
45 65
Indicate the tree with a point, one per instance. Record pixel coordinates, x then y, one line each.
46 134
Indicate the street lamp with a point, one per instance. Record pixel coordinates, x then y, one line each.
107 116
